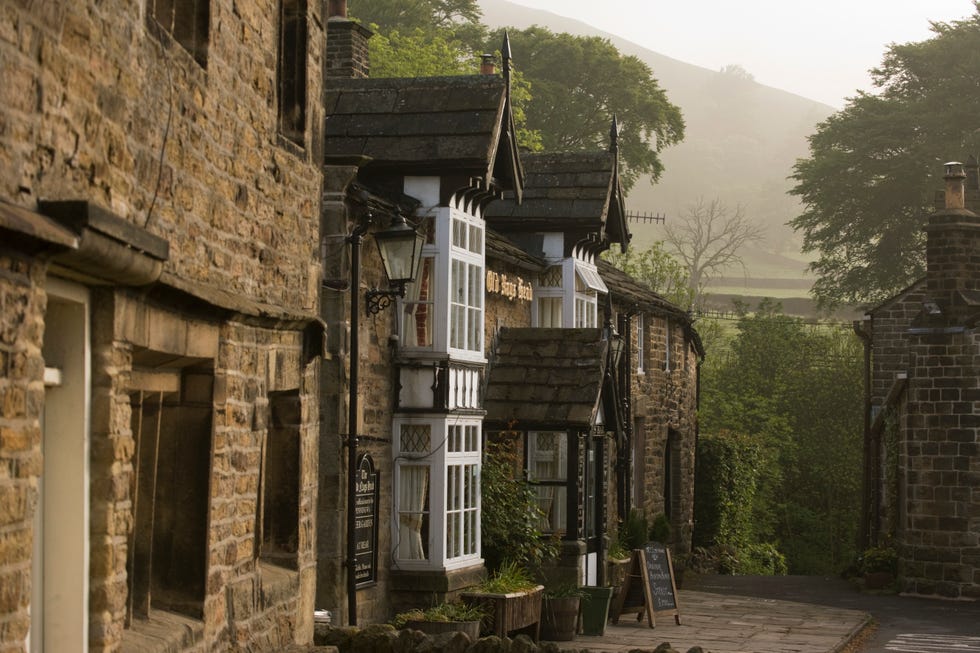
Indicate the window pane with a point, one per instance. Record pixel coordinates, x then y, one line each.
417 307
459 234
415 438
476 239
547 456
413 513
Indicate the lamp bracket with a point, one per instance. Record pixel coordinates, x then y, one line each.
378 300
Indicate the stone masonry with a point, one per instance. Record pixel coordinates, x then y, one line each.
163 140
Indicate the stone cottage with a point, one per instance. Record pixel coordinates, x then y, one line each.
409 383
159 283
922 450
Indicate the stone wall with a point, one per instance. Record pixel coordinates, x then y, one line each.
938 539
93 102
890 353
102 106
22 304
665 406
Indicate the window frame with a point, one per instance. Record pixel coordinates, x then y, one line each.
440 460
291 71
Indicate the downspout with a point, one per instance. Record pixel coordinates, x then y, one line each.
865 534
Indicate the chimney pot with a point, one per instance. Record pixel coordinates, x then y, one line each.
487 65
955 190
336 8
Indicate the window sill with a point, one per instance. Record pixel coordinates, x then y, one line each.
277 583
163 631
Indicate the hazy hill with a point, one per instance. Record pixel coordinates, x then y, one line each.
741 141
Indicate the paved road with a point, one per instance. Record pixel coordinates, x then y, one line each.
905 624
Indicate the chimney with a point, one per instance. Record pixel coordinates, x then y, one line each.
487 65
955 186
347 44
952 240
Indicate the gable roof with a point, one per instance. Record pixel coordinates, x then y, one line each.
460 124
546 378
578 193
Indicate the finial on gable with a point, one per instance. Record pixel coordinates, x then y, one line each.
506 56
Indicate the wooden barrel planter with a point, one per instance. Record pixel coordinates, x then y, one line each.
507 613
471 628
559 618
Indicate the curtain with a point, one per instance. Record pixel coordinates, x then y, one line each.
417 324
412 511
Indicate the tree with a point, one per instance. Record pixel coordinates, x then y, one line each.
874 166
579 83
430 16
781 421
709 238
655 268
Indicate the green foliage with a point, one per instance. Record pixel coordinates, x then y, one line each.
655 268
660 529
634 529
878 559
579 83
779 458
429 16
509 577
874 166
564 590
510 514
443 612
413 53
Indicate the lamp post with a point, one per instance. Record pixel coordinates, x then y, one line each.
400 247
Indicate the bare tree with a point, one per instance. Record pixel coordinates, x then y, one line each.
708 238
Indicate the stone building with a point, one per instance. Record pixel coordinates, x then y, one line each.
159 279
415 380
922 446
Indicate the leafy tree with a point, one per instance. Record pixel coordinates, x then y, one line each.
874 166
708 238
579 83
781 412
655 268
417 54
430 16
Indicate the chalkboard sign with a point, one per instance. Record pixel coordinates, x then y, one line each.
649 587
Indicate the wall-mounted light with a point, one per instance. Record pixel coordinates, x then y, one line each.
400 246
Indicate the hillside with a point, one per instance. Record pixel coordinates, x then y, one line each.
741 141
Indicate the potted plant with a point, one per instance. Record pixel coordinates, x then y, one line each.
511 601
595 609
559 612
618 559
443 618
879 566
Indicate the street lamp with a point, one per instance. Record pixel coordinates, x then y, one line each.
400 246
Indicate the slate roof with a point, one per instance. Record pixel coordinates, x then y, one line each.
565 192
460 123
546 378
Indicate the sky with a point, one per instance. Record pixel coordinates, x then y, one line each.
820 49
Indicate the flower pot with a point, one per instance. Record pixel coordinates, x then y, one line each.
471 628
559 618
595 609
876 580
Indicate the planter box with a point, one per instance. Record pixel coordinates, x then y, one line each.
471 628
510 612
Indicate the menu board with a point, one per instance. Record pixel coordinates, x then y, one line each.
366 492
649 587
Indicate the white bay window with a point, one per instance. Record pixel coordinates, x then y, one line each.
437 497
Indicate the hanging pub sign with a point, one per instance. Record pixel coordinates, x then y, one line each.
366 493
510 286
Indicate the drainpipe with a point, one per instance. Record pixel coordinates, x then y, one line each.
865 534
